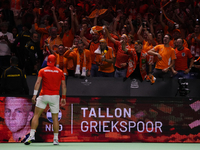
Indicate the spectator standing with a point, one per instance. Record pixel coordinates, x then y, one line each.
6 39
92 46
8 15
183 54
122 59
52 40
33 55
61 61
43 31
19 44
13 80
82 57
141 61
166 58
105 59
194 41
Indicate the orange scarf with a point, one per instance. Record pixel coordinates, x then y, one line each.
131 63
64 64
79 63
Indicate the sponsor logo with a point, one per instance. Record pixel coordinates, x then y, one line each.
49 116
86 82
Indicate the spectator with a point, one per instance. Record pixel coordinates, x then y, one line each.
7 15
19 44
177 34
33 55
71 66
52 40
147 38
28 15
105 59
181 63
82 57
6 39
61 62
140 63
67 33
122 59
92 46
16 6
43 31
14 32
37 9
159 37
194 41
13 80
166 58
18 114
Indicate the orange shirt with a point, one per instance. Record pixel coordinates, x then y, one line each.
181 63
44 34
56 41
68 38
61 63
93 46
147 46
167 54
105 66
51 80
68 54
121 57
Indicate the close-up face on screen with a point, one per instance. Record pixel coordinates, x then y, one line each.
106 119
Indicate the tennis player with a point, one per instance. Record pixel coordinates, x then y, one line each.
51 78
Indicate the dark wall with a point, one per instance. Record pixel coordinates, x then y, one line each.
99 86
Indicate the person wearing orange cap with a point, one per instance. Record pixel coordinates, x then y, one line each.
166 58
49 94
104 59
177 34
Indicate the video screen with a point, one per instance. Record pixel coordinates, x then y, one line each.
105 119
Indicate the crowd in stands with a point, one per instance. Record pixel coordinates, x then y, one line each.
140 39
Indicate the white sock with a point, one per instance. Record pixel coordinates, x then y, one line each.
32 133
55 136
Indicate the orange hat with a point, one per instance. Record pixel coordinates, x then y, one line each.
102 40
96 29
51 60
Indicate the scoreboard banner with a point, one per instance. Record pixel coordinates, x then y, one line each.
105 119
